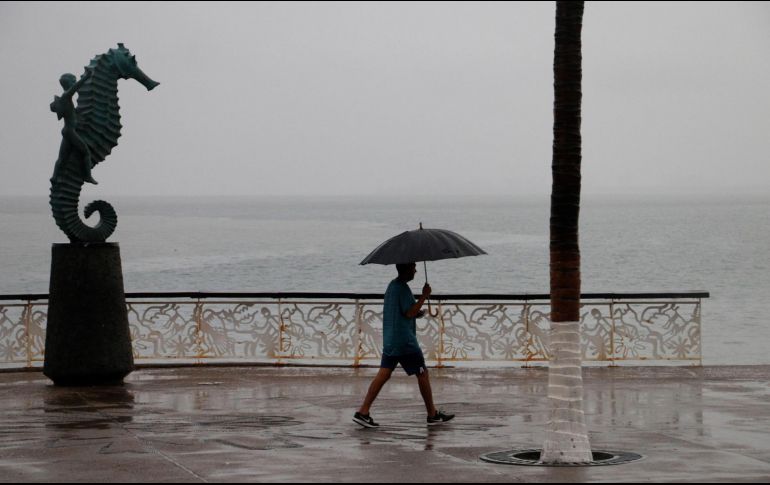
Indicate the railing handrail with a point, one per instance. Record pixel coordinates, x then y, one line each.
379 296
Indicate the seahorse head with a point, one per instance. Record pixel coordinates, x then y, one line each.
126 65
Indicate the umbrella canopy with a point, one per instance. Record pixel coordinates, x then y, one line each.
422 245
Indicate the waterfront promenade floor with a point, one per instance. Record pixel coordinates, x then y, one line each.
269 424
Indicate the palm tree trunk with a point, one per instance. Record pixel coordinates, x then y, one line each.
566 437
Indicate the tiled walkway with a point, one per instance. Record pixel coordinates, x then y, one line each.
267 424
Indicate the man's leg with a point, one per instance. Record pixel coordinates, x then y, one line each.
427 394
374 389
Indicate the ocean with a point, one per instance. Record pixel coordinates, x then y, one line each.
628 244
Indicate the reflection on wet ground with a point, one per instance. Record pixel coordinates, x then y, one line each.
293 424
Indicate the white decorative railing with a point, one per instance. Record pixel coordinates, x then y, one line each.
345 329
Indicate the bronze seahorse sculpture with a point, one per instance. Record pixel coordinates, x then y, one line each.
90 133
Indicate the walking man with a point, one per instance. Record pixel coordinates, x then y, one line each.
400 346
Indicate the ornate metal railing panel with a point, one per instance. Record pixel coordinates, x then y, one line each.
318 330
657 330
494 331
22 334
346 329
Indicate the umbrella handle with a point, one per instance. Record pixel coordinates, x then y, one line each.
430 312
425 266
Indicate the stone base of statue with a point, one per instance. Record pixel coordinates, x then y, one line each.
88 341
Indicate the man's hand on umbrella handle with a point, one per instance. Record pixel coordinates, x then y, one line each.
426 292
414 311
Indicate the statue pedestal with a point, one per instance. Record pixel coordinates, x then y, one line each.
88 341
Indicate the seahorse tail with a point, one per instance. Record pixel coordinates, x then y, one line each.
65 195
108 218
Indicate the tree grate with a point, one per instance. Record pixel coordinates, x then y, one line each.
532 458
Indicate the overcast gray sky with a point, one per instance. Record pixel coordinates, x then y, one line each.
395 98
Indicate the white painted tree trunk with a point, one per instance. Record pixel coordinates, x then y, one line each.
566 439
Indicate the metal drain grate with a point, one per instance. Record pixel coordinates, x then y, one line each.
532 458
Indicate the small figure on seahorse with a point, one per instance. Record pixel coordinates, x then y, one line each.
90 133
65 108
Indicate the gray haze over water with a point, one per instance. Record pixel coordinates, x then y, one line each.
389 98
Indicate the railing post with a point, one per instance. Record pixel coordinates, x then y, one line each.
440 333
700 334
27 323
612 333
198 317
357 332
280 330
529 336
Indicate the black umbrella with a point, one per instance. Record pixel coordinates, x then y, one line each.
423 245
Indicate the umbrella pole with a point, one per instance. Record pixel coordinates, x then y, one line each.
425 267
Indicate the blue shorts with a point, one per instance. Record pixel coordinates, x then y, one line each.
412 363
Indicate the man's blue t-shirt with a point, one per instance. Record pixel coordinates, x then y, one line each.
399 332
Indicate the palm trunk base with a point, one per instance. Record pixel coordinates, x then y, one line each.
566 438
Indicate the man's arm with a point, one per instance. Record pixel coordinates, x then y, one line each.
75 87
414 311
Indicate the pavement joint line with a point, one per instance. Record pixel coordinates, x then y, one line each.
169 459
144 443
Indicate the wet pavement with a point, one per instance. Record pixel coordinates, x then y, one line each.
269 424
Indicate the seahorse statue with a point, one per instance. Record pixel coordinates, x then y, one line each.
90 133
